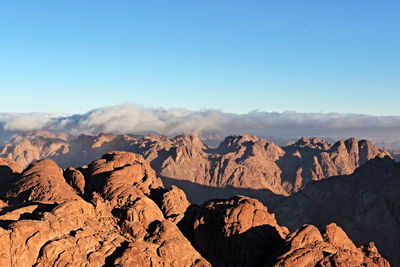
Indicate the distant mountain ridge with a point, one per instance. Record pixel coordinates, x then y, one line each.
239 161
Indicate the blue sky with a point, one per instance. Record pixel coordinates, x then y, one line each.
237 56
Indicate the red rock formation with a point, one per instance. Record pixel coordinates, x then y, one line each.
235 232
76 180
164 245
313 159
172 202
41 181
122 176
115 212
364 203
240 161
241 232
308 247
49 224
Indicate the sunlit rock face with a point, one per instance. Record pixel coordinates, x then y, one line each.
239 162
116 212
100 215
242 232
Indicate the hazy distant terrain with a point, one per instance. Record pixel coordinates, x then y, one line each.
279 127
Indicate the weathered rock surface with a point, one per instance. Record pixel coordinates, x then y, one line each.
76 180
364 203
163 245
241 232
308 246
121 176
124 188
239 162
314 159
102 216
172 202
235 232
48 234
42 181
115 212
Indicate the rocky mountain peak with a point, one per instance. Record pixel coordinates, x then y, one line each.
314 142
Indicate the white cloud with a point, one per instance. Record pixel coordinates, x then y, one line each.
136 119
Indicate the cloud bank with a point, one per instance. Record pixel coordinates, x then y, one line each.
141 120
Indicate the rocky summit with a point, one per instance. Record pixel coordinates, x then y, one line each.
116 211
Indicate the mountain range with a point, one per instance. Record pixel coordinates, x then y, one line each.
320 191
239 161
116 212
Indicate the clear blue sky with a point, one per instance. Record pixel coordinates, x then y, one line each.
307 56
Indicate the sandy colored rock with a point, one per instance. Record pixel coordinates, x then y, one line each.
122 176
364 203
41 181
12 166
240 161
235 232
137 215
26 237
116 225
164 245
115 212
314 159
308 247
241 232
172 202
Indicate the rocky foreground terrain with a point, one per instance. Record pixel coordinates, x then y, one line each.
116 212
365 203
240 164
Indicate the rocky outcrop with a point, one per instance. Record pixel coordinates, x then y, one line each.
45 234
42 181
241 232
172 202
101 215
121 176
116 212
163 245
308 246
235 232
364 203
25 149
76 180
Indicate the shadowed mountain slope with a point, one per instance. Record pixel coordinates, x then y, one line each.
116 212
365 203
240 161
